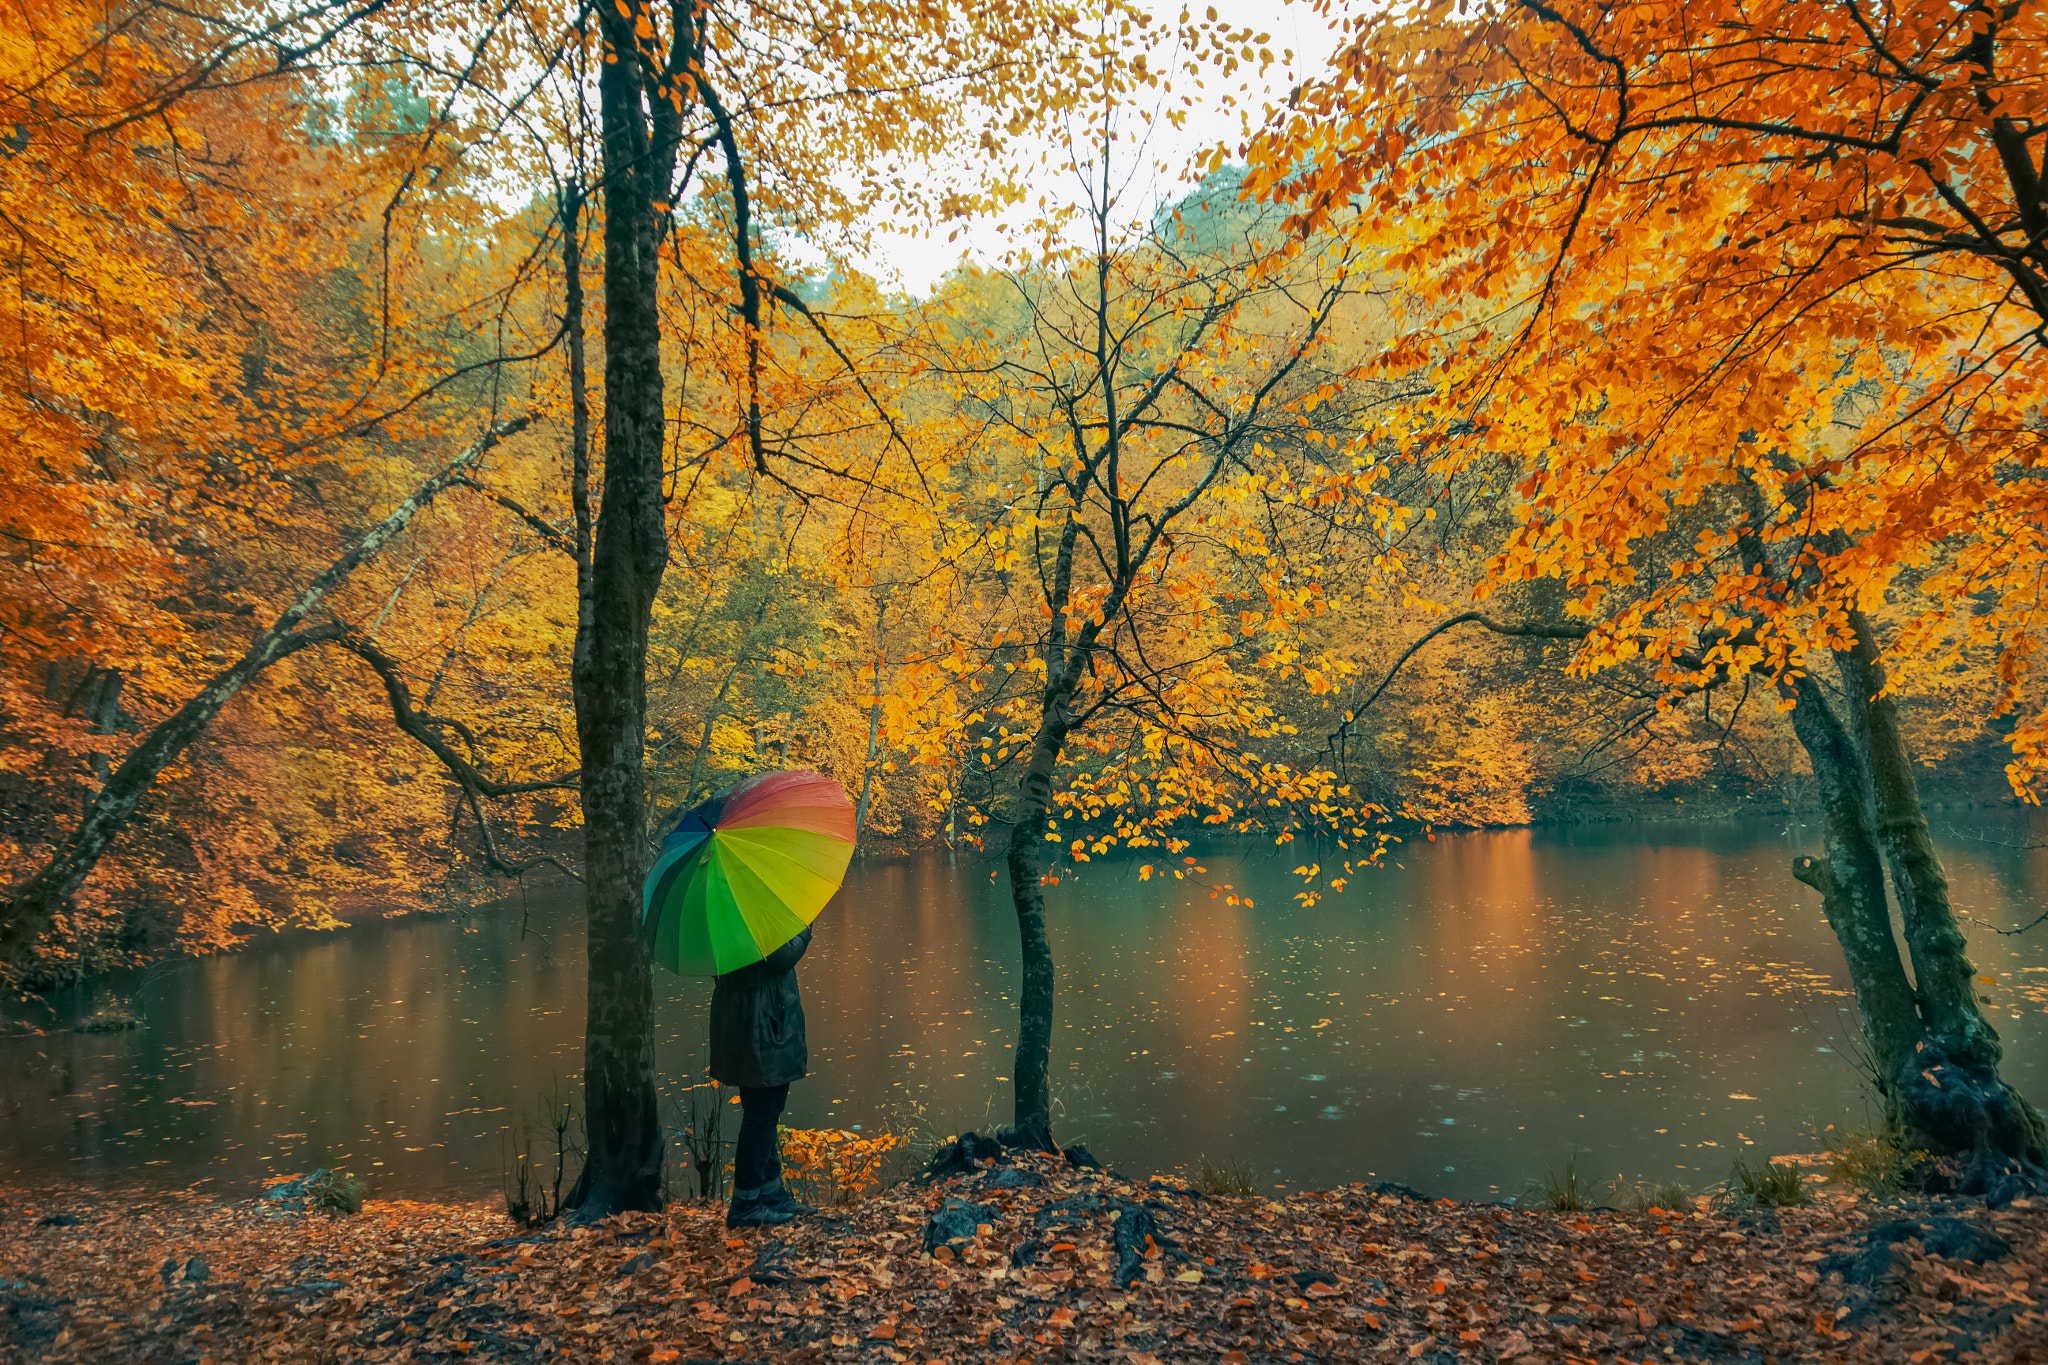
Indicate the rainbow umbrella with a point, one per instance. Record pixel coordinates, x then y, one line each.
742 873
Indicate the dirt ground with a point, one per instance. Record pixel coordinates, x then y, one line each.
1033 1260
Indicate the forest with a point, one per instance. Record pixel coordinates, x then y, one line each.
438 439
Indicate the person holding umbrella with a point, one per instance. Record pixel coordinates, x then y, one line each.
732 894
757 1044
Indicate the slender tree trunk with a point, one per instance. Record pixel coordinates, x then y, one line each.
711 714
579 414
953 806
1032 1124
622 1169
867 776
35 901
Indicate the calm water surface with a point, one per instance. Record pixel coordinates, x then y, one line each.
1653 995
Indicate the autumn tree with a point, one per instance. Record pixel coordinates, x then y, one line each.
1780 270
220 374
1122 604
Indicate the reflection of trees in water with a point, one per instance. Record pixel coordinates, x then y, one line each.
1449 969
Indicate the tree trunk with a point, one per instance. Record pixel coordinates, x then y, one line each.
622 1169
867 776
1064 666
34 902
1951 1092
1935 1056
867 772
1850 879
103 711
711 714
1032 1124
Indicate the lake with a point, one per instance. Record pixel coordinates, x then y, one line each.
1655 996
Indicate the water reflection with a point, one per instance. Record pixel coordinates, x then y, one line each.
1653 995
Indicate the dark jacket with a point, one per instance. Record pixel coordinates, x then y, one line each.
757 1021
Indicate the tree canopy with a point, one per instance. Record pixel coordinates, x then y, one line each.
1672 259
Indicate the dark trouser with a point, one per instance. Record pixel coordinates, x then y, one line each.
754 1162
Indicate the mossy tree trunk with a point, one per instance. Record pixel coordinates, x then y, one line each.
1935 1055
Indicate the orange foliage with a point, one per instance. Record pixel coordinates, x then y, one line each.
1705 273
189 408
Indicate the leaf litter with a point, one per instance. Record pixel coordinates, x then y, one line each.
1031 1259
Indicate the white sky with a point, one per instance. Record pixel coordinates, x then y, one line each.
914 262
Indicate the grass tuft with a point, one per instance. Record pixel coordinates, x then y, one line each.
1230 1178
1769 1186
1563 1194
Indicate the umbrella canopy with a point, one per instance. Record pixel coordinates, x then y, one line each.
742 873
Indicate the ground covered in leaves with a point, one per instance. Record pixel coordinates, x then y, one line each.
1032 1259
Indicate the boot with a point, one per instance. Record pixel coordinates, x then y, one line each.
753 1209
776 1195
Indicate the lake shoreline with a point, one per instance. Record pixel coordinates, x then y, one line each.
472 891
